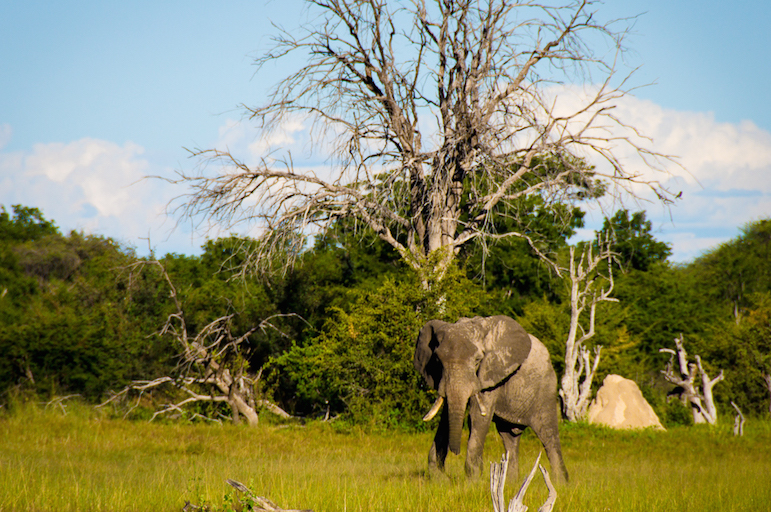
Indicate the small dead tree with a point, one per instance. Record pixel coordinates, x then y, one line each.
498 481
588 288
738 421
685 376
212 366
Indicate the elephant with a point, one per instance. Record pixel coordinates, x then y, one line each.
506 375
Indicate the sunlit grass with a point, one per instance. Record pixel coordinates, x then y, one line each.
81 461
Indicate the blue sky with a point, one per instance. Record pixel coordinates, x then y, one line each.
96 95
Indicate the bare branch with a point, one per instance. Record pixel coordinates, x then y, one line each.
258 503
738 421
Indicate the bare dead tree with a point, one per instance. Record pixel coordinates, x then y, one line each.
211 368
698 395
588 288
439 117
767 381
738 420
498 481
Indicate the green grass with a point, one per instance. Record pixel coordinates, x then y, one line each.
49 461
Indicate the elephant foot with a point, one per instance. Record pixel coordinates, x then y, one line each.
473 472
434 473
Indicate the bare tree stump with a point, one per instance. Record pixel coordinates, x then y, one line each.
498 481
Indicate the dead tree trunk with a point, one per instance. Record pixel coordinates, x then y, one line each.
702 401
767 380
579 363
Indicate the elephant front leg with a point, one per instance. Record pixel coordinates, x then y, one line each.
439 448
480 416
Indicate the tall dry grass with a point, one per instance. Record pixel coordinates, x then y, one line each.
81 461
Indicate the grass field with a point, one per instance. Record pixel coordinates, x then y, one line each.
79 461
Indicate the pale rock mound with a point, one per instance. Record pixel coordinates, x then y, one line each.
620 404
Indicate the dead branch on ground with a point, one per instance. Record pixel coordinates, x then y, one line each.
738 421
212 365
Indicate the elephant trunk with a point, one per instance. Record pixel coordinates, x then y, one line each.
457 399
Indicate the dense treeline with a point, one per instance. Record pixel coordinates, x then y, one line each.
80 314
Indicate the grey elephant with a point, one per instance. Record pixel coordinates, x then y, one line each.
507 376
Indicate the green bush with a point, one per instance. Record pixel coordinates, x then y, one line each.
360 364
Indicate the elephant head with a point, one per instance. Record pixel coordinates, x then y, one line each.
459 360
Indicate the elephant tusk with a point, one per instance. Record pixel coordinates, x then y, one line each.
434 409
482 408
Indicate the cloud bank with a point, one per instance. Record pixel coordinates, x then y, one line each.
725 174
98 186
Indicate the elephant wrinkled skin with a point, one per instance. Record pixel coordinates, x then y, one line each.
505 374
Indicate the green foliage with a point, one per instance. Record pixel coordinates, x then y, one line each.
743 351
75 333
512 271
360 364
26 224
736 269
550 322
77 317
660 304
633 241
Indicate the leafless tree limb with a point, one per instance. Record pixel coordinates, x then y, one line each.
261 503
58 401
440 116
700 398
767 382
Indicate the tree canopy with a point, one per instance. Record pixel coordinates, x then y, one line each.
75 318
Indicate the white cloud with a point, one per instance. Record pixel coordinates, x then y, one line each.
725 173
95 186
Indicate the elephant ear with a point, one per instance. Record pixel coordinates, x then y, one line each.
426 362
506 345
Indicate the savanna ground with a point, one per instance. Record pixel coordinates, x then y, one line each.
50 461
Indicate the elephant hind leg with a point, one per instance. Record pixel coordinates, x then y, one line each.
550 439
510 435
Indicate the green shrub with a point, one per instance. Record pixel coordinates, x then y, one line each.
360 365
